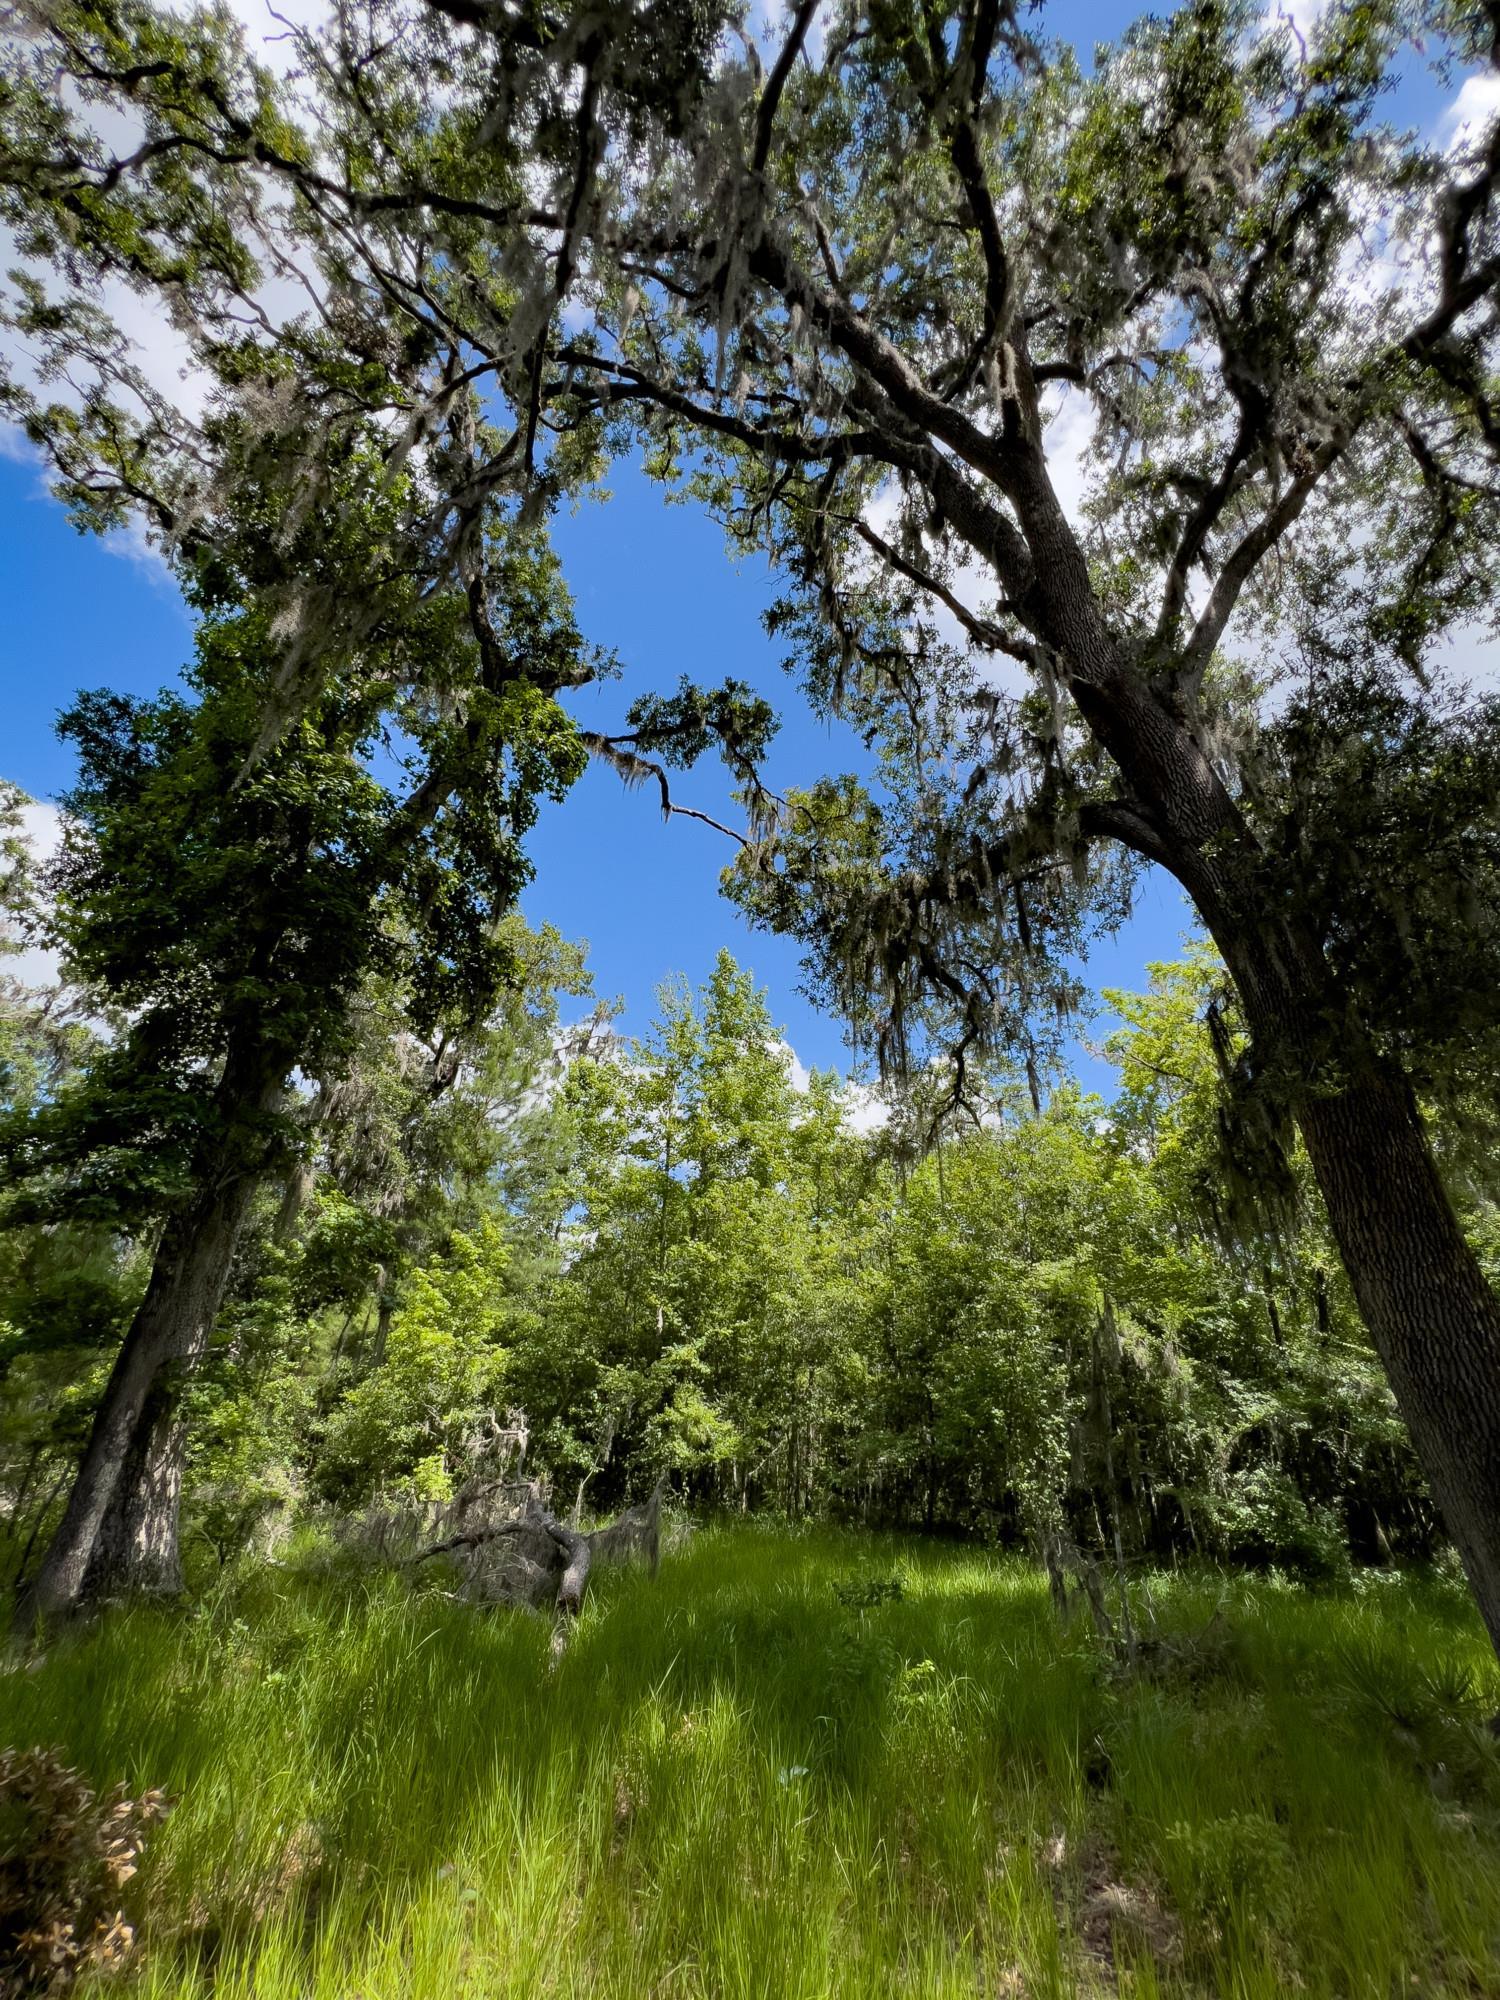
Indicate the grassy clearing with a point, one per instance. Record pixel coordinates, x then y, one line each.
747 1778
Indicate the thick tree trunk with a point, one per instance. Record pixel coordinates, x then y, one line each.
1430 1314
384 1309
120 1525
1434 1321
135 1550
1431 1317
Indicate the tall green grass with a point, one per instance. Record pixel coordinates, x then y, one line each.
746 1778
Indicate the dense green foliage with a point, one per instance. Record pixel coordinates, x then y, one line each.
794 1764
231 898
848 277
667 1260
844 296
289 928
1040 1320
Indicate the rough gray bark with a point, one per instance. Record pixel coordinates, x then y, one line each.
535 1560
1431 1316
135 1549
119 1530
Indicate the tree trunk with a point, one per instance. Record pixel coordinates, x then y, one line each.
385 1303
120 1524
135 1549
1432 1318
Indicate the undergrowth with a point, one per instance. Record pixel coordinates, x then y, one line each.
795 1764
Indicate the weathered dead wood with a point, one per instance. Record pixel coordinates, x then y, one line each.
579 1552
636 1533
471 1539
1061 1557
534 1559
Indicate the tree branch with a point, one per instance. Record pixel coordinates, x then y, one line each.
1129 823
993 638
765 115
633 769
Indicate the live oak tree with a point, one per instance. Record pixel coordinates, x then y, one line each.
845 289
846 292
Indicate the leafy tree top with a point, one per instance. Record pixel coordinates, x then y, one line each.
846 291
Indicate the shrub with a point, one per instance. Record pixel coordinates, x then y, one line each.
65 1857
1231 1870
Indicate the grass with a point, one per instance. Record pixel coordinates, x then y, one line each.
757 1775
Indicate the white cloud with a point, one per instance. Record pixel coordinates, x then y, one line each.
1471 654
130 544
969 579
41 828
1470 115
864 1106
1069 442
865 1110
1302 15
797 1070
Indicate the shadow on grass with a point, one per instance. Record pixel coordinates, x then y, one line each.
853 1748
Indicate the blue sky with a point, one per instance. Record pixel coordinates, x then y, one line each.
653 582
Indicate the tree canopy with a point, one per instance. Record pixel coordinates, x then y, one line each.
851 295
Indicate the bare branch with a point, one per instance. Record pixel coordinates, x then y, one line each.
1244 559
633 769
993 638
765 116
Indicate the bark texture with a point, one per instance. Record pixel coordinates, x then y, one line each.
532 1559
119 1530
1430 1314
135 1549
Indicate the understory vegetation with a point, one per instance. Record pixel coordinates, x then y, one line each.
663 1261
794 1763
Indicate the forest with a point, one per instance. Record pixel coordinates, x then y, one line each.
493 1501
